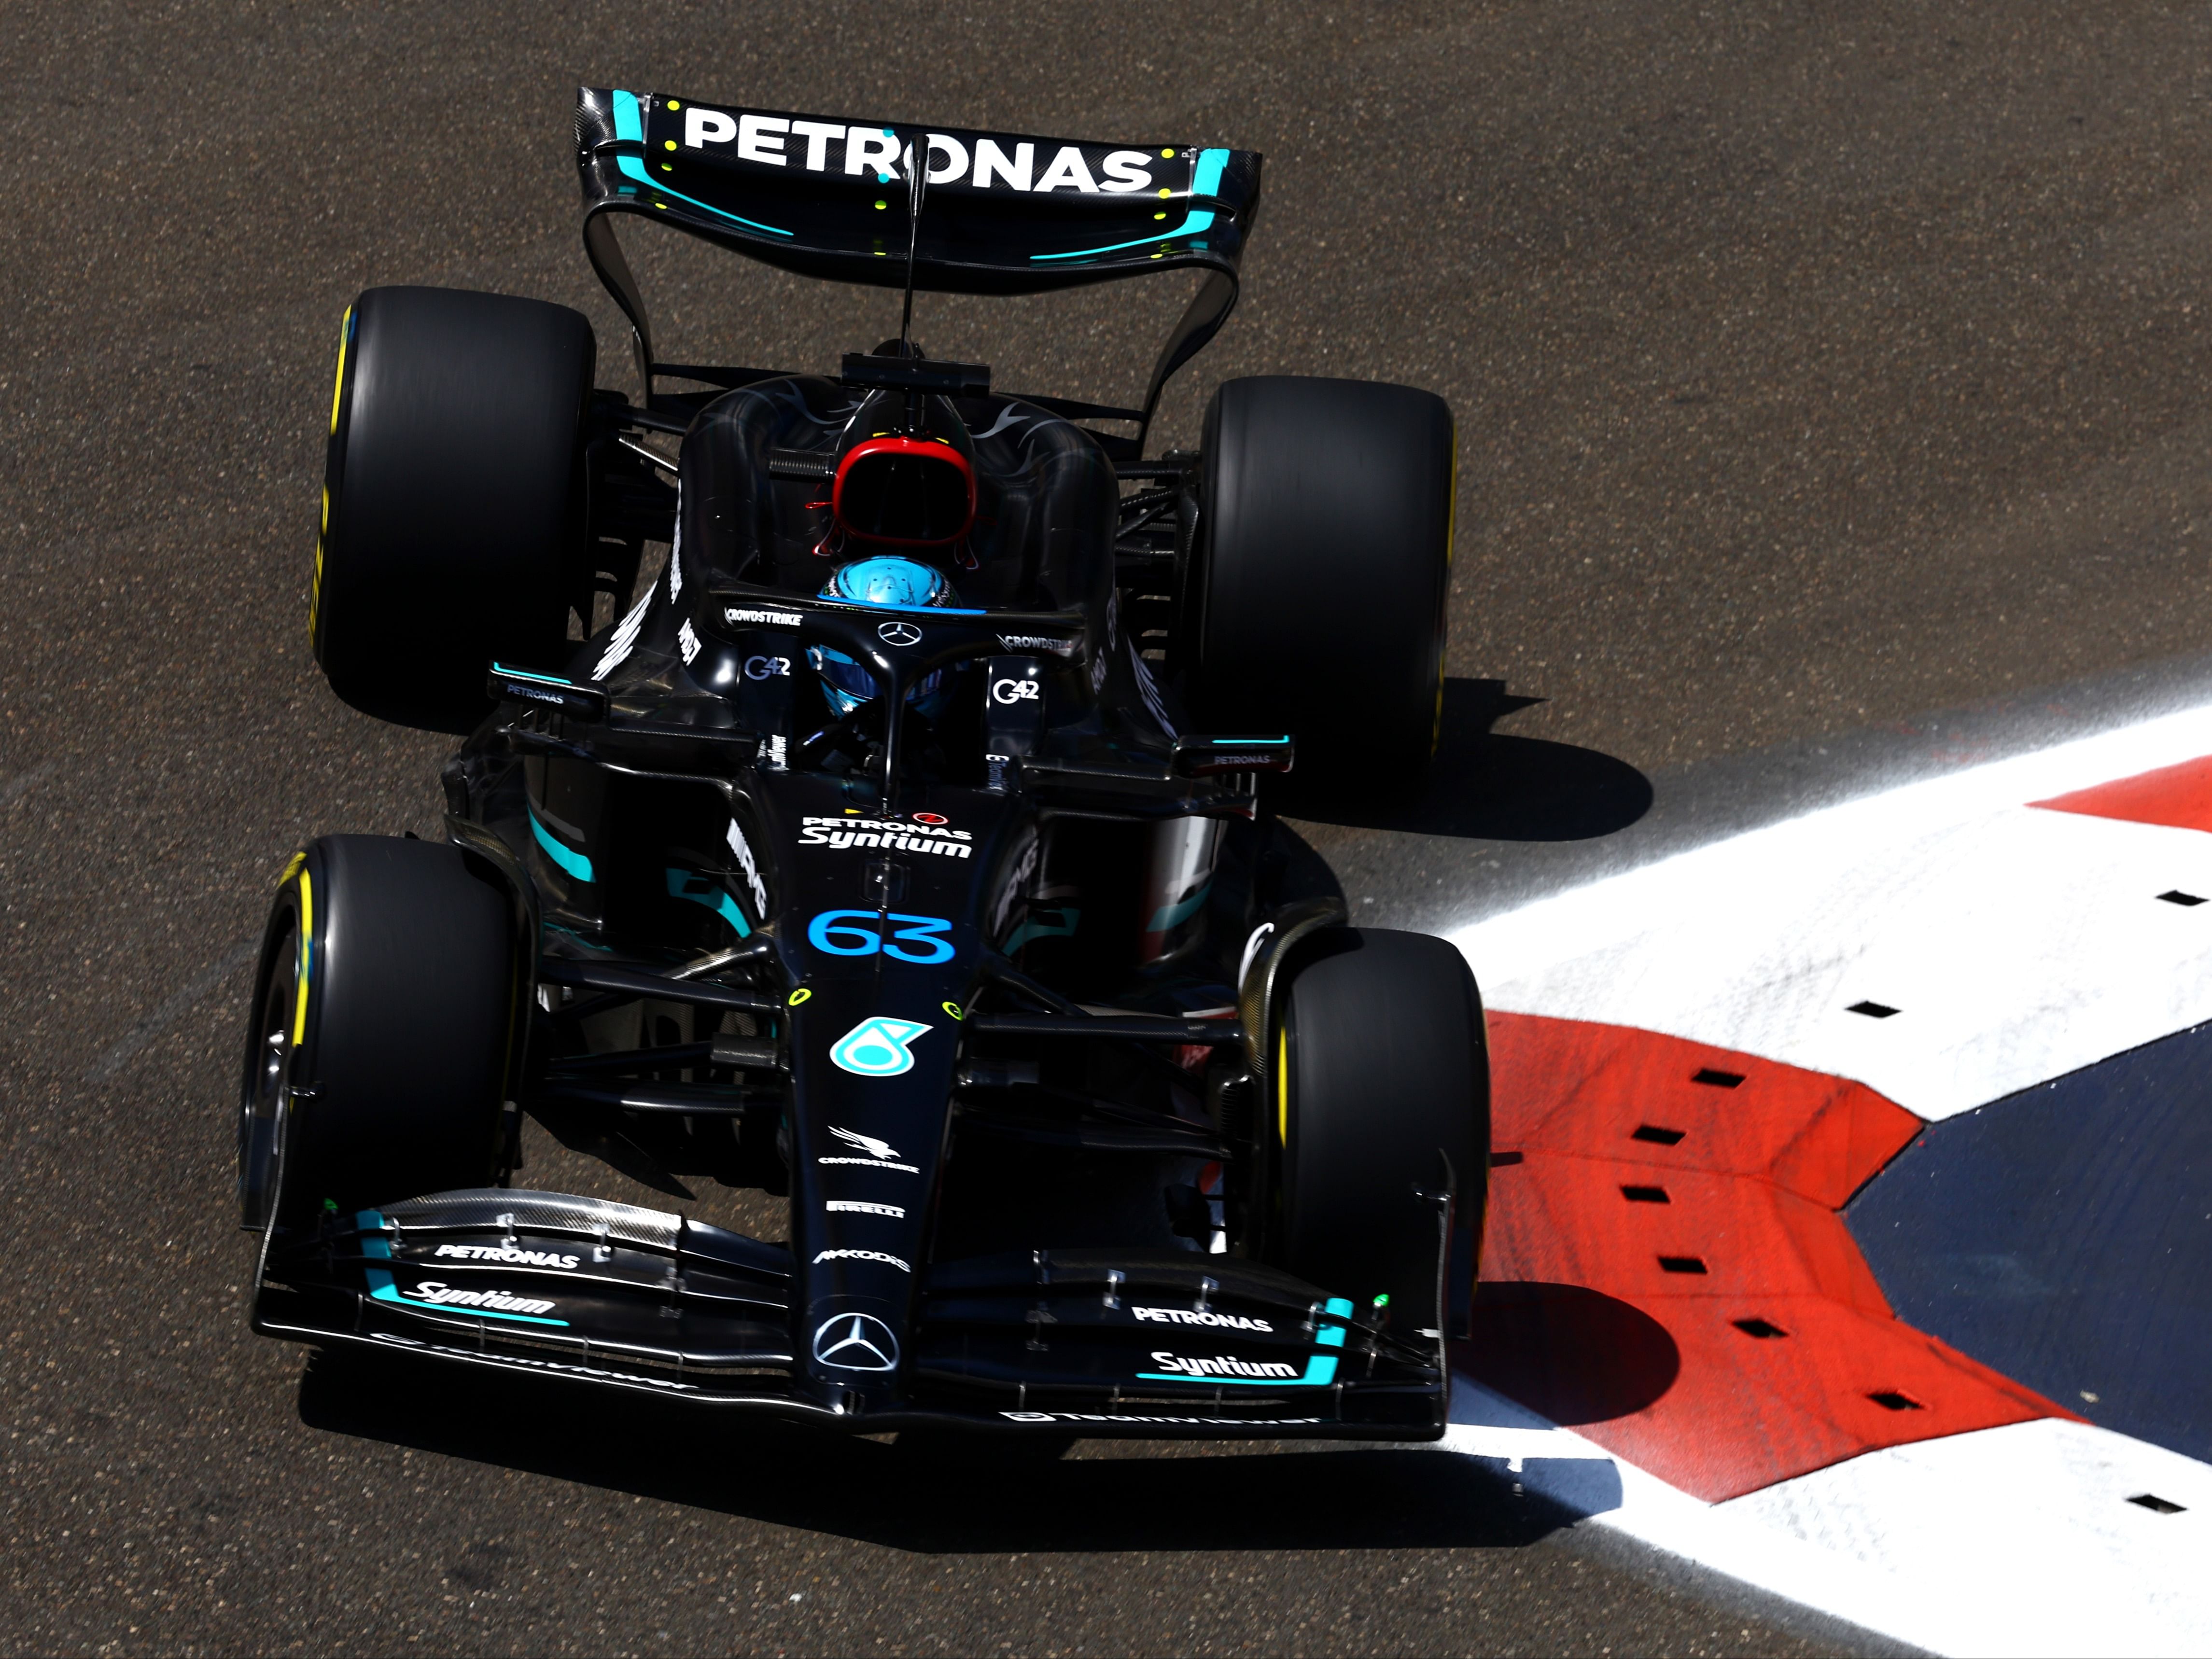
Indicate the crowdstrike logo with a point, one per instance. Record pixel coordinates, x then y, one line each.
880 1153
624 640
739 613
1146 690
856 1342
868 1144
754 884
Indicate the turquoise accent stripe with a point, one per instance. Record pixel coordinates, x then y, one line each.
589 944
1321 1372
630 121
714 899
1332 1337
553 679
574 862
1069 915
381 1288
1337 1307
630 125
1241 743
1205 180
1168 915
916 609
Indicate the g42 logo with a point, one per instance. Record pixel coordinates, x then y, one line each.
856 933
1013 691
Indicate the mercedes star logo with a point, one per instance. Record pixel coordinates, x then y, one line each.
856 1342
899 633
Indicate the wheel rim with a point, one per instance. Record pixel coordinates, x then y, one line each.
266 1088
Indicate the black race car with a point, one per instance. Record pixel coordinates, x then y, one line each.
894 848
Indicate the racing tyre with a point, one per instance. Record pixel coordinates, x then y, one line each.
1382 1081
378 1058
453 499
1315 597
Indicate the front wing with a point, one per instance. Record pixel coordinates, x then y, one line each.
1153 1344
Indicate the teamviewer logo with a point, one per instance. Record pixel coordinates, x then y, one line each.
856 1342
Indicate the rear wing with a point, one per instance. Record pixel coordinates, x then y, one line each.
1003 213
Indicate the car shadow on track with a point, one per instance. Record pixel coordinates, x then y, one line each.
1570 1354
1114 1495
1488 786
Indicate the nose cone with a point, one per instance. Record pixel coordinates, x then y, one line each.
872 1057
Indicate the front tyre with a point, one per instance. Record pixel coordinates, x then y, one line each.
386 1015
1381 1080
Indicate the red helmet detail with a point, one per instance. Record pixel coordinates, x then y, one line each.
911 492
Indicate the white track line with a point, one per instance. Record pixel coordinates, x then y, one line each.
2017 1541
2018 944
2029 1527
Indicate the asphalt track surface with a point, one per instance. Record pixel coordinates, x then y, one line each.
1815 366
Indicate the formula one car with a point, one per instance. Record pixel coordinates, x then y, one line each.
894 848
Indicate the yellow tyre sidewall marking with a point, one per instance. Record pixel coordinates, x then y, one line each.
337 398
338 391
299 959
315 588
1282 1084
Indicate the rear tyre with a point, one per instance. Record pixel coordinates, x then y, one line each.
1381 1080
453 510
1315 596
378 1060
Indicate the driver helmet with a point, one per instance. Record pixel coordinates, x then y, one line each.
898 583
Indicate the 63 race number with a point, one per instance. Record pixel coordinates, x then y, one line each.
856 933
